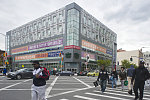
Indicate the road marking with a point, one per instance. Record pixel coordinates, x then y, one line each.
63 99
69 92
65 88
86 98
16 89
13 85
82 82
119 90
106 96
124 92
48 90
120 94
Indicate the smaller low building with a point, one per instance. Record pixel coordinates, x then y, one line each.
146 56
136 56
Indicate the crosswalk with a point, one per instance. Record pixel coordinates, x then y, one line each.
109 94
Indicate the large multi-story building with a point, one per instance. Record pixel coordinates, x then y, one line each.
71 31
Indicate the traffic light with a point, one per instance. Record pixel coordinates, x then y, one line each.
131 59
60 54
5 54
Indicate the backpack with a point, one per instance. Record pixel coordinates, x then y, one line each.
46 73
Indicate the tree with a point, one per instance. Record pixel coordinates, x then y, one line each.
127 64
106 63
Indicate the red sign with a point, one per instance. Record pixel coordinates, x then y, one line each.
72 47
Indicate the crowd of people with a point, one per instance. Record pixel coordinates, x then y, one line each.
134 78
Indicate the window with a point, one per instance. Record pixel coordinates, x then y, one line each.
68 55
54 19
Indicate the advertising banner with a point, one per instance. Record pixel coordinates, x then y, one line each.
38 46
21 49
72 47
109 52
45 44
54 54
40 55
91 56
93 46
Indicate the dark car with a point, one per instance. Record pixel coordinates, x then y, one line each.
65 73
82 73
21 73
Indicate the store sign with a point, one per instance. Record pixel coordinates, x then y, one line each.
40 55
109 52
54 54
21 49
72 47
46 44
93 46
38 46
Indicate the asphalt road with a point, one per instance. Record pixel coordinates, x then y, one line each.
63 88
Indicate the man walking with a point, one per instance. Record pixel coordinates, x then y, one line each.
39 82
114 76
129 77
122 76
103 76
140 75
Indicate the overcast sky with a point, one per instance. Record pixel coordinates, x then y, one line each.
129 19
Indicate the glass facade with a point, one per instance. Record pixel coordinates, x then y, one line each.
73 27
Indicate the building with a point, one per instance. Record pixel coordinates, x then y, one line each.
136 56
146 56
2 54
70 31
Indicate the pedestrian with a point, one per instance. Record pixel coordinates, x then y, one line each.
4 71
103 76
129 77
140 75
39 82
114 76
123 77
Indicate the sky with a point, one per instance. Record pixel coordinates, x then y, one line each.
129 19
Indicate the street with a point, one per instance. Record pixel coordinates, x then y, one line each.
63 88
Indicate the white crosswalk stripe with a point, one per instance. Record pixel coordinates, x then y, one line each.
86 98
110 93
102 95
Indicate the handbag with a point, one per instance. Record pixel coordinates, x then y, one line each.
125 83
111 78
95 83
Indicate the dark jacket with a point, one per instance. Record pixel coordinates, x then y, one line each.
122 75
41 81
103 75
140 74
114 74
130 71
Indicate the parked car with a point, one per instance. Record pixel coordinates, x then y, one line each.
82 73
65 73
21 73
93 73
